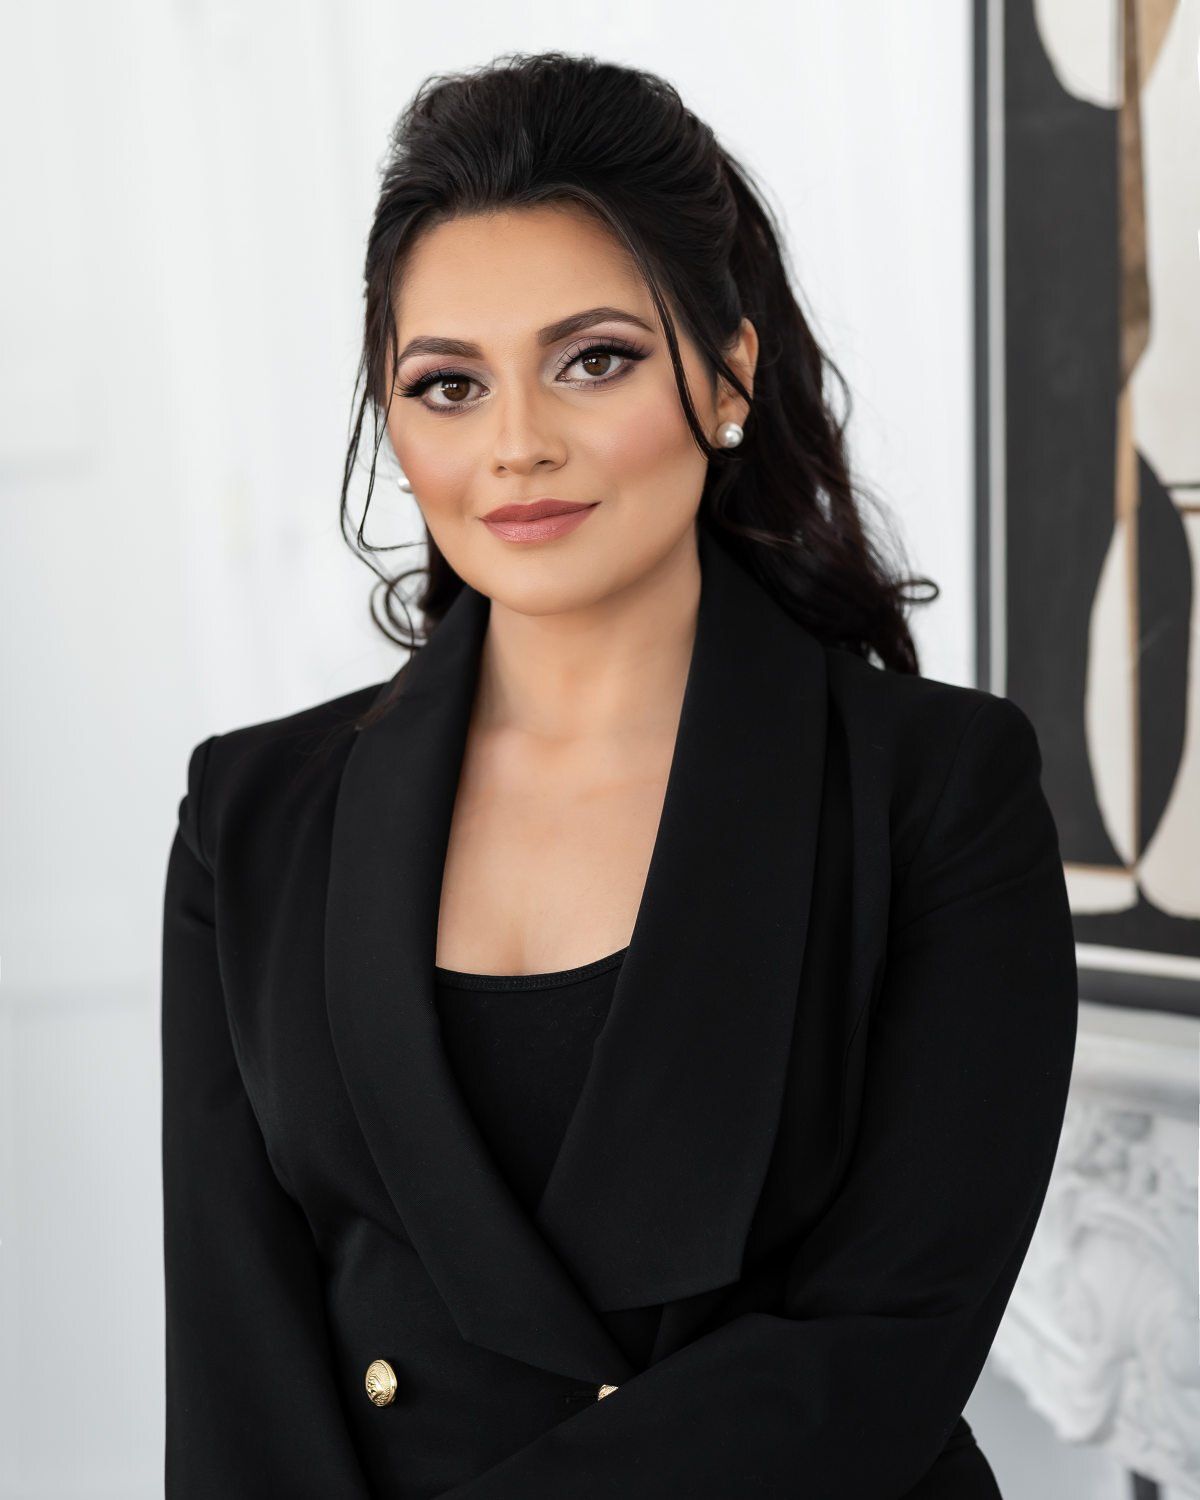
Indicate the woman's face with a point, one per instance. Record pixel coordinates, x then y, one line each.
503 407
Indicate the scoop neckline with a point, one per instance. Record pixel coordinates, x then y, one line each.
462 979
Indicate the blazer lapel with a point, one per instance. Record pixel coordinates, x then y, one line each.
653 1191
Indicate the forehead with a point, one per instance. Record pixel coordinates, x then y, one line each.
503 275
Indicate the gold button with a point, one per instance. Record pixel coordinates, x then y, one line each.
381 1382
605 1390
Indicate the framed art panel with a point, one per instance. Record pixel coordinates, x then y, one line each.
1087 329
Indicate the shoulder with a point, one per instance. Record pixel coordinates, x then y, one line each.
265 764
292 737
905 704
929 743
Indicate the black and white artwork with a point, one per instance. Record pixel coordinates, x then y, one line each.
1088 460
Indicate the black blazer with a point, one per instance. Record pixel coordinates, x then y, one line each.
816 1133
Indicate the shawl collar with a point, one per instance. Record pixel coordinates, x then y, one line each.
653 1191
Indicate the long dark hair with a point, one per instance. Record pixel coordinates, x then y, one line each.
551 127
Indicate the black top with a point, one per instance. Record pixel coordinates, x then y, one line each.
520 1046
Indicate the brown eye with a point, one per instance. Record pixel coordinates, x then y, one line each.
604 362
452 384
602 358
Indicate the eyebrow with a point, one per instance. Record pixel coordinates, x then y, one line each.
563 328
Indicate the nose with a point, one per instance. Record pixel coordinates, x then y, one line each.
526 436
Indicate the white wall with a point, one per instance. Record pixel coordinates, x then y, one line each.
179 310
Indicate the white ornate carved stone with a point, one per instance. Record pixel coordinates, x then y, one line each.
1103 1329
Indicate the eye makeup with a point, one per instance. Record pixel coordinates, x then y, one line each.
630 353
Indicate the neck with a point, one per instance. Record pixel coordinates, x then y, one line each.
606 670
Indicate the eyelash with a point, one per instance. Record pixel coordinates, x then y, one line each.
629 352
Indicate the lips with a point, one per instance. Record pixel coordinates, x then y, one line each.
538 521
534 510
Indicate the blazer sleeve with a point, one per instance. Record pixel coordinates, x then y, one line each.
894 1297
251 1404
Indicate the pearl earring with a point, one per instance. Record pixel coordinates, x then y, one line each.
403 483
729 434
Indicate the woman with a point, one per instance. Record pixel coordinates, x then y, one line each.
624 1053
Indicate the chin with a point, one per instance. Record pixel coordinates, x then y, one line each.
554 584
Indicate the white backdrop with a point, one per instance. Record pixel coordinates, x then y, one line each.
188 188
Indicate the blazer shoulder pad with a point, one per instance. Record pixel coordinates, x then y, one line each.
253 761
913 727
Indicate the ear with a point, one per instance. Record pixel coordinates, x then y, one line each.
742 356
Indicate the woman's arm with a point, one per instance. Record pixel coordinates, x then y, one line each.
252 1409
894 1297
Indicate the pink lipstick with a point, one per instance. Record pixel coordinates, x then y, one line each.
538 520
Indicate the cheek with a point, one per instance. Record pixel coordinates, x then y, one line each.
438 470
646 441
